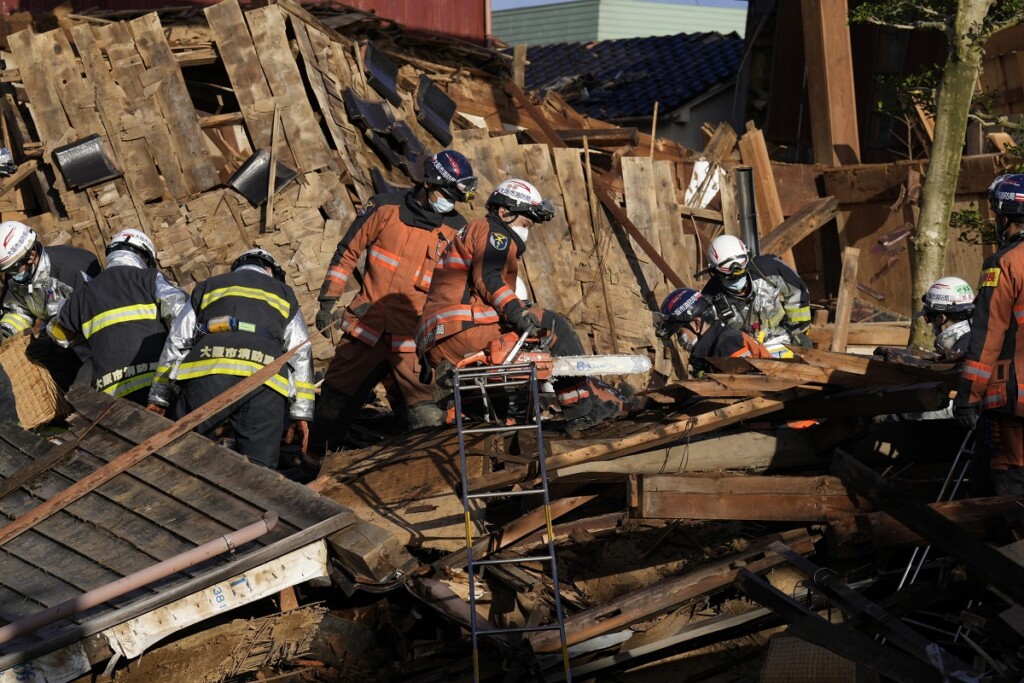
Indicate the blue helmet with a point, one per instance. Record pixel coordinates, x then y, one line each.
680 307
1006 197
450 172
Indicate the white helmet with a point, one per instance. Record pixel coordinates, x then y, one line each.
136 241
519 196
16 241
727 259
949 295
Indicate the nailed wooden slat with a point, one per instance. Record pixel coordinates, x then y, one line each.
301 130
164 76
142 119
141 173
642 209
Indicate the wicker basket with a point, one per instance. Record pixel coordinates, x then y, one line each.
39 399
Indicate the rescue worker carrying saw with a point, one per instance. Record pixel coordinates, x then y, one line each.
472 301
404 235
687 315
231 326
990 380
761 296
122 316
38 281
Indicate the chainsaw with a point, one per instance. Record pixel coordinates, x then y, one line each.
514 349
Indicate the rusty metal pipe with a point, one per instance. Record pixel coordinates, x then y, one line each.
144 577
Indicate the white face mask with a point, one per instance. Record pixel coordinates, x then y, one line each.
442 204
735 286
523 233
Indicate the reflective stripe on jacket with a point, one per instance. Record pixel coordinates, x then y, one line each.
778 300
989 376
403 243
474 284
60 270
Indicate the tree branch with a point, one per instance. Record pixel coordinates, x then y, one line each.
921 25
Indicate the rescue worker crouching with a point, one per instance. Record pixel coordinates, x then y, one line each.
122 316
761 296
473 301
948 308
38 281
231 326
689 317
404 235
990 383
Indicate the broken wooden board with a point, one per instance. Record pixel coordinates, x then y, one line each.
746 497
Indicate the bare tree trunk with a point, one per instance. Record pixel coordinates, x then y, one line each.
953 103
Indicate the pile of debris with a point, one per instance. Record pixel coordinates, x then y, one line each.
684 529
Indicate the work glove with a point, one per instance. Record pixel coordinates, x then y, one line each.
526 322
158 409
302 428
966 416
801 339
325 317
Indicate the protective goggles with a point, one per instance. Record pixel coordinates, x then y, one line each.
732 271
463 190
23 261
540 213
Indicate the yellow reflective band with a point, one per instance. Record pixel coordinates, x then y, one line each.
989 278
232 366
130 385
59 332
18 321
799 315
304 390
114 316
274 301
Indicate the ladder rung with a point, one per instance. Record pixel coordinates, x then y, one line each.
484 430
521 629
503 494
512 560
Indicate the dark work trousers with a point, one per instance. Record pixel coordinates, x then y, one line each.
8 409
258 419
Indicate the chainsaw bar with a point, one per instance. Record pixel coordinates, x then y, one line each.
586 366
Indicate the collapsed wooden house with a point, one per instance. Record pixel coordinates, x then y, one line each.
185 130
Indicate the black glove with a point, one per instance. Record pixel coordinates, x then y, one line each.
525 322
966 416
325 317
801 339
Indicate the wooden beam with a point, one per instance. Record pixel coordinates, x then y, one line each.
882 182
746 497
873 531
844 303
23 171
801 224
949 537
863 334
706 215
219 120
833 107
601 137
519 65
668 593
754 153
98 477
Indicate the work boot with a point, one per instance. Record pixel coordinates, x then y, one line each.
332 417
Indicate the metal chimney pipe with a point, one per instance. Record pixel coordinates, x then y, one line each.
747 209
140 578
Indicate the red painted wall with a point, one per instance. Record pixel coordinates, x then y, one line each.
466 19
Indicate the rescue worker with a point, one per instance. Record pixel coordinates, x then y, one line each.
989 384
948 308
403 235
472 301
122 316
38 281
687 315
761 296
231 326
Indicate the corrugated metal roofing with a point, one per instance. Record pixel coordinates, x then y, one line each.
611 19
618 79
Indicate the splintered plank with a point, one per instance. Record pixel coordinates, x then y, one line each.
320 57
679 249
745 497
142 119
551 274
164 78
574 195
141 173
642 209
48 114
804 222
301 129
238 54
844 302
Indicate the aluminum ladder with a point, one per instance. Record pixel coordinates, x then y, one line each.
513 380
